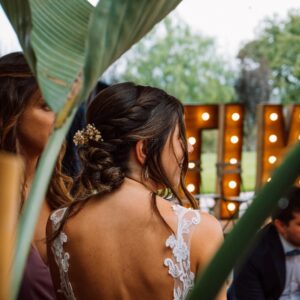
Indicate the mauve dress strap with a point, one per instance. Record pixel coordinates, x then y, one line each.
36 283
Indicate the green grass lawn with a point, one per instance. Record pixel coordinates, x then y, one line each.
209 173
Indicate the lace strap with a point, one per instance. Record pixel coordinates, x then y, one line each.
179 264
61 257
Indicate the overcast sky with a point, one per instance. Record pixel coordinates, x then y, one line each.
231 22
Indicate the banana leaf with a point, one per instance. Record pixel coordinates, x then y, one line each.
241 237
18 12
68 45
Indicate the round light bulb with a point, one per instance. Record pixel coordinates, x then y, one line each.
233 161
205 116
190 187
273 116
234 139
192 165
269 179
272 159
235 116
232 184
273 138
192 140
231 206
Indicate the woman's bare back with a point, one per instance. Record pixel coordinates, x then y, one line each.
117 247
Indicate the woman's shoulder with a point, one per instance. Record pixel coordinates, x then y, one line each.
207 238
205 224
209 222
187 214
208 227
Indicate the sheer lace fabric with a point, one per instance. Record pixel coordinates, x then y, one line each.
178 264
61 257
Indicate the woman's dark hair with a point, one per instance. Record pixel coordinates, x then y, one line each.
17 85
124 114
288 205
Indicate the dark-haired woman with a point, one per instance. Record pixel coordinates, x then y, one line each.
25 125
122 240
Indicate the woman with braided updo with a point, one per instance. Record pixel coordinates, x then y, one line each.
26 122
121 240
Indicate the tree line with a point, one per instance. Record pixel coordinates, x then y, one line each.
189 66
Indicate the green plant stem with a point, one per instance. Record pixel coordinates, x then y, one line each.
242 236
35 199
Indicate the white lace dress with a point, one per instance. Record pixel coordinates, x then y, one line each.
178 263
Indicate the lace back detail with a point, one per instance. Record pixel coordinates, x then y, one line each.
61 257
179 264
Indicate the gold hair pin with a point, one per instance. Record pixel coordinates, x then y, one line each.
81 137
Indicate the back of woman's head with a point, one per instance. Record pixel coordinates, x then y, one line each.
17 84
125 114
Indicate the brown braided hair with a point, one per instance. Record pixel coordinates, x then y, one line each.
124 114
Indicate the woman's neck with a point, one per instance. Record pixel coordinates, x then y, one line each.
30 164
146 184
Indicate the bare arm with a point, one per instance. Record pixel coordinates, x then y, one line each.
206 240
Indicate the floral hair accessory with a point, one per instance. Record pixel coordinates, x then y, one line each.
81 137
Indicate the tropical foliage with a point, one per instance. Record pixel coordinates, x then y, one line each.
184 63
69 44
278 47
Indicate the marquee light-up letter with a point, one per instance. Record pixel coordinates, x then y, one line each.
274 137
228 118
197 118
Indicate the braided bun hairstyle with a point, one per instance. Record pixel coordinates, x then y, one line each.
124 114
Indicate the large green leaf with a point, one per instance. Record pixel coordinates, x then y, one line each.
35 199
69 44
241 237
53 36
109 37
19 15
69 36
59 31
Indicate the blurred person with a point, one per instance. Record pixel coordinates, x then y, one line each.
272 269
119 239
26 122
